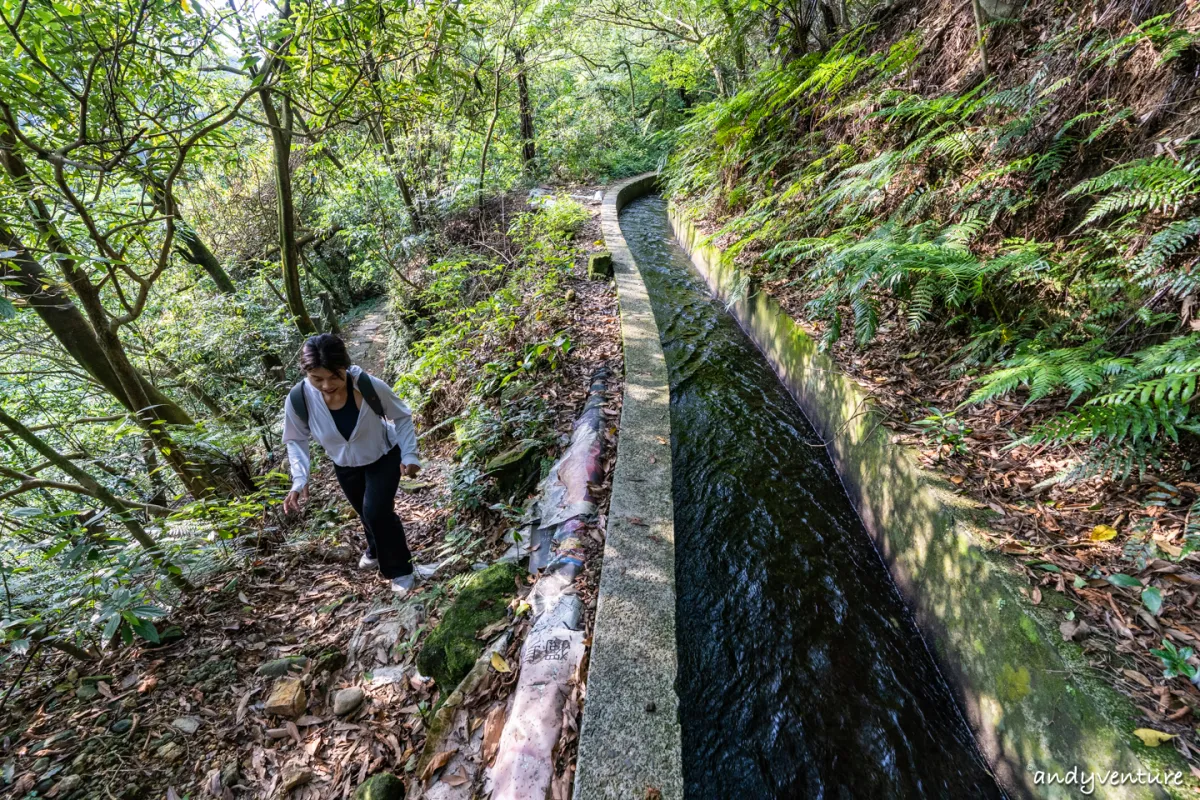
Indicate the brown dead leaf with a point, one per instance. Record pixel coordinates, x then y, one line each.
147 685
1035 596
244 703
1137 677
457 778
104 689
437 762
493 726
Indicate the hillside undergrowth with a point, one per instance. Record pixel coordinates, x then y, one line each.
1006 254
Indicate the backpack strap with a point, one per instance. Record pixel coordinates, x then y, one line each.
367 390
299 405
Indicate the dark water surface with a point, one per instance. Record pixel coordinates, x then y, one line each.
801 673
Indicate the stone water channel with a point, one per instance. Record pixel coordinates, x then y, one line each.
801 672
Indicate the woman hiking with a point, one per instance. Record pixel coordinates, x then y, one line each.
367 431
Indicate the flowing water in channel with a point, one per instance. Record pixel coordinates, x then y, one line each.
801 673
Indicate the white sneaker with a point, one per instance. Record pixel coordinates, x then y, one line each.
366 562
404 584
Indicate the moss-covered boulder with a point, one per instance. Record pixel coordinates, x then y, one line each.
600 265
517 469
452 648
384 786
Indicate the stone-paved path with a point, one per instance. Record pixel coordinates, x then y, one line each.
366 340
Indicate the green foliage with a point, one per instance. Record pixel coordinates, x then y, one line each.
1175 661
943 430
902 221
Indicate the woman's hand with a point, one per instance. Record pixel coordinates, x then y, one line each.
409 470
293 501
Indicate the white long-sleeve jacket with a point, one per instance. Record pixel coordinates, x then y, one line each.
369 441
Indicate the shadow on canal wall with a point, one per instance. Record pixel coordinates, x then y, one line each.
1029 696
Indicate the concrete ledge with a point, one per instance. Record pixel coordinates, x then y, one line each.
1031 699
630 739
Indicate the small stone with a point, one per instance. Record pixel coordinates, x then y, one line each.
287 698
347 700
122 726
650 707
230 773
281 666
41 765
170 752
44 786
293 779
393 673
188 725
384 786
67 785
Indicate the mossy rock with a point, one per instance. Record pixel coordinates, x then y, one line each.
517 469
452 648
384 786
600 265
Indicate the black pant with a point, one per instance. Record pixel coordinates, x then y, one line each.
372 492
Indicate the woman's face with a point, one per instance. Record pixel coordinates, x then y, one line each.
327 382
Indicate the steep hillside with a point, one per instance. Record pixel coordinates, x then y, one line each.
995 228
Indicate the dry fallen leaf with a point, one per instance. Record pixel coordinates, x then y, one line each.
437 762
1137 677
1102 533
1151 737
493 726
499 664
454 778
147 685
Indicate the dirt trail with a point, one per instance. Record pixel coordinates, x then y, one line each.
287 602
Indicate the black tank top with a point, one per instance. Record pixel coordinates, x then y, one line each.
346 417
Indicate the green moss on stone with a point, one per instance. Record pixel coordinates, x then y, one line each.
452 648
1014 683
600 265
384 786
1029 628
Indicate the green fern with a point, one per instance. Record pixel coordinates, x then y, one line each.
1138 187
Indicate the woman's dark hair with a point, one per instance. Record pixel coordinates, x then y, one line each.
324 351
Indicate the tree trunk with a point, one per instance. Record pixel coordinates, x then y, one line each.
379 132
101 493
137 393
79 338
528 152
25 276
289 252
487 142
193 249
